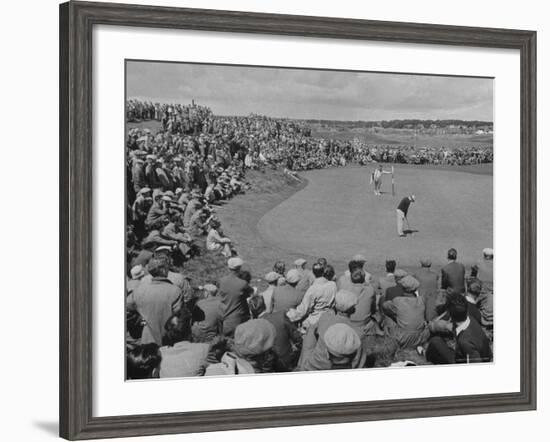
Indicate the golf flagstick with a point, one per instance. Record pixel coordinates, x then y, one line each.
392 183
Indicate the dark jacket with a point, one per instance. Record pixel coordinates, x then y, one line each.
472 345
452 275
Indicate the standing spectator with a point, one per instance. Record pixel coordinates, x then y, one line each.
233 293
429 287
272 278
156 301
453 274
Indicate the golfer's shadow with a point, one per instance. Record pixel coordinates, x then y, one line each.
409 231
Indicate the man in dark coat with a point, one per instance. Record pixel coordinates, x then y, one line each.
233 292
472 345
453 274
287 335
429 286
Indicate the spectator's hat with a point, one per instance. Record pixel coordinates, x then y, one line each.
254 337
359 258
151 157
235 263
300 262
166 198
157 192
169 193
272 277
179 190
400 273
341 340
425 262
210 288
487 251
139 153
345 300
161 249
137 272
293 276
409 283
144 190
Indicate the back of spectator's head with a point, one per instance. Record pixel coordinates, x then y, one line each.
293 277
474 287
256 304
158 267
318 269
329 272
399 274
322 261
345 301
177 328
452 254
355 265
488 253
143 361
458 308
245 275
425 262
279 267
358 276
390 265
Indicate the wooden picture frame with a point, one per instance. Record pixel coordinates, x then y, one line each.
76 242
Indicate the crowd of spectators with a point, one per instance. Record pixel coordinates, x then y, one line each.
306 318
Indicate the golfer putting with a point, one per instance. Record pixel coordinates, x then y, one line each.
402 210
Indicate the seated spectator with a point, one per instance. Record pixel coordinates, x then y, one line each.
483 301
216 242
155 301
405 316
143 362
306 275
252 351
472 345
180 356
287 336
318 298
211 325
287 296
344 281
365 298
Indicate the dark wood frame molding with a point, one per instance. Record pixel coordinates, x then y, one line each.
76 22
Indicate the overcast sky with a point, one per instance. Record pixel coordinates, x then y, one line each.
301 93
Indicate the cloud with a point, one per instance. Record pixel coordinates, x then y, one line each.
305 93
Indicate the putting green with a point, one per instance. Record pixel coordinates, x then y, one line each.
337 215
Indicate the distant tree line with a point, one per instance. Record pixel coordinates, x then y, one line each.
405 124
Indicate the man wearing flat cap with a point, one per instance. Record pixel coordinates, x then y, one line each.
405 316
429 286
306 276
272 279
233 293
485 270
287 296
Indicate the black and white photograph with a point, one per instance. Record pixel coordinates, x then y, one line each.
288 220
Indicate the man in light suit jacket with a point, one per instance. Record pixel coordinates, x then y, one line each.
453 274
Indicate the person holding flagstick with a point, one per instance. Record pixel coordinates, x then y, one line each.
376 178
